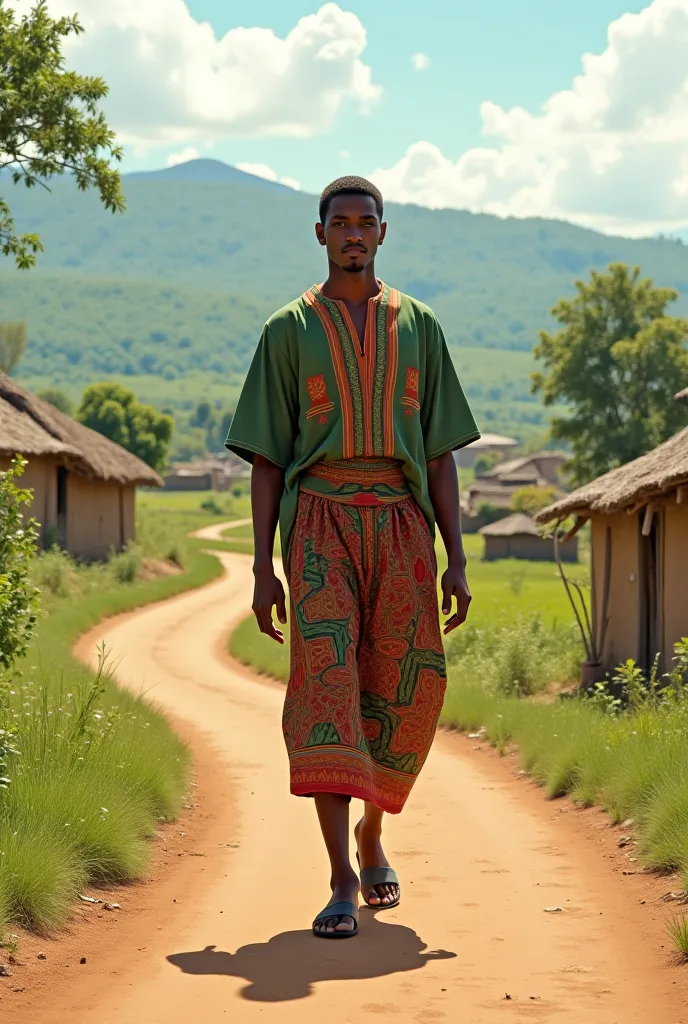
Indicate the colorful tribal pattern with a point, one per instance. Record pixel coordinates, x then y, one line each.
366 374
410 399
320 403
367 665
366 483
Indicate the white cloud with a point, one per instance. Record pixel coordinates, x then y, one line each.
172 79
420 62
263 171
610 152
189 153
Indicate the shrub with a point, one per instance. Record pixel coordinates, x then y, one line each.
18 595
54 573
127 565
212 506
520 659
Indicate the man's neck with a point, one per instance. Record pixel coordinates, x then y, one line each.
352 288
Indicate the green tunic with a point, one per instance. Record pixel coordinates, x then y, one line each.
314 392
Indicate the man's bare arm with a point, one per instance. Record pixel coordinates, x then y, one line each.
443 485
267 486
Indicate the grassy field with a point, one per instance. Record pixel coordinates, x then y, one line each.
93 769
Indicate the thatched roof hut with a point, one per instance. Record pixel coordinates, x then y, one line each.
639 531
635 484
83 484
29 426
517 536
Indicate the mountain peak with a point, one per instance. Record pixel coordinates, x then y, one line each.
205 170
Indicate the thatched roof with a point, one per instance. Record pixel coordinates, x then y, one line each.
31 427
681 394
648 477
526 467
513 526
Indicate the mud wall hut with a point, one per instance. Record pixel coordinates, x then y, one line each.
639 549
83 485
517 536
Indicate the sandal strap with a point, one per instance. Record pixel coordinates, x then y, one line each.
378 876
337 910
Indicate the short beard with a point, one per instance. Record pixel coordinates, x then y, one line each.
354 268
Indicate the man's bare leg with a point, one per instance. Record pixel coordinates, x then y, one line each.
333 812
368 835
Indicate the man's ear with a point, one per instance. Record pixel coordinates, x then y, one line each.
320 234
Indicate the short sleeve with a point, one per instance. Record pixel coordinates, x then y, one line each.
446 418
267 414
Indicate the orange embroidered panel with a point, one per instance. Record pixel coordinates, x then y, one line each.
320 401
410 398
366 376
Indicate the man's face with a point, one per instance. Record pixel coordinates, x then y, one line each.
352 232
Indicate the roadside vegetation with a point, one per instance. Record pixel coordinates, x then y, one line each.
88 770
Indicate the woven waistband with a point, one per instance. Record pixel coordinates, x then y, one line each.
363 482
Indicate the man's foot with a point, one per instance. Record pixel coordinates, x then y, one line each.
371 855
346 892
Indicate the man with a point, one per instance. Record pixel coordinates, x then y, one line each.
349 414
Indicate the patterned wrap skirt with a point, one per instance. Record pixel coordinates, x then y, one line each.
368 672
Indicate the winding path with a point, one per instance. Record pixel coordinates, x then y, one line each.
478 864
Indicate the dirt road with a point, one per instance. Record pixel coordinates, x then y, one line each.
478 865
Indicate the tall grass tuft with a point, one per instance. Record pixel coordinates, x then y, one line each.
94 770
678 933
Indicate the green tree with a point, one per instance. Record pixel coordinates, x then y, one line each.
13 340
114 412
617 362
532 499
18 596
49 119
58 399
486 461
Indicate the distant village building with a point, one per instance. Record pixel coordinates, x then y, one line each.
517 536
213 473
83 485
465 457
498 485
639 529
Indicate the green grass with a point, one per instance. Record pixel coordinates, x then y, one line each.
97 768
634 765
678 933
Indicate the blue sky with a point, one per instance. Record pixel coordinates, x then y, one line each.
569 109
511 52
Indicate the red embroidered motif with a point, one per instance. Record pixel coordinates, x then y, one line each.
410 399
320 401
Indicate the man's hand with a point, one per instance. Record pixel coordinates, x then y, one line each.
268 593
454 585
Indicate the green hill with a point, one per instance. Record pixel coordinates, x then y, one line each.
171 295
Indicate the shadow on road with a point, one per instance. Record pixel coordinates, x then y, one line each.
290 964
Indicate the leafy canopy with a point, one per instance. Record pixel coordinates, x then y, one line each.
13 340
532 499
59 399
114 412
49 120
617 363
